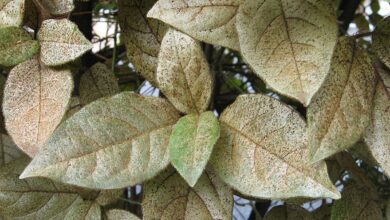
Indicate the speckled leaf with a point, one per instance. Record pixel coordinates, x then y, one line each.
35 100
288 43
381 40
210 21
169 197
117 214
111 143
84 210
11 12
356 204
142 36
16 46
183 73
8 150
97 82
286 212
191 143
262 152
341 110
58 7
107 197
35 198
61 42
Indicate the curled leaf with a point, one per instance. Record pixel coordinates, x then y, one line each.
111 143
209 21
341 110
61 42
169 197
16 46
11 12
183 73
381 40
8 150
35 100
262 152
289 44
117 214
58 7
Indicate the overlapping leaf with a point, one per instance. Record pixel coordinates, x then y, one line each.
97 82
106 197
210 21
381 40
341 110
61 42
84 210
11 12
169 197
191 143
117 214
58 7
111 143
8 150
16 46
289 44
285 212
141 35
262 152
35 100
183 73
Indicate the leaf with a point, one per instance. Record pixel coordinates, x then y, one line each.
210 21
284 212
58 7
35 100
142 36
183 73
111 143
11 12
35 198
107 197
289 44
381 40
117 214
169 197
8 150
84 210
341 110
61 42
16 46
191 143
2 85
262 152
356 204
97 82
74 106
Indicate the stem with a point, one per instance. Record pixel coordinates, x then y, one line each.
360 35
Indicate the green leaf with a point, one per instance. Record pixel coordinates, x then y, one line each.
61 42
289 44
262 152
381 40
117 214
169 197
16 46
191 143
8 150
341 110
11 12
111 143
97 82
183 73
211 22
84 210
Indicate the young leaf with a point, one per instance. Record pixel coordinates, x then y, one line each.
289 44
35 100
262 152
341 110
16 46
97 82
117 214
209 21
183 73
381 40
35 198
287 212
142 36
8 150
111 143
11 12
58 7
84 210
61 42
107 197
169 197
191 143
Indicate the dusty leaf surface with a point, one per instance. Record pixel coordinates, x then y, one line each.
58 7
111 143
183 73
35 100
341 110
289 44
84 210
118 214
381 40
11 12
262 152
